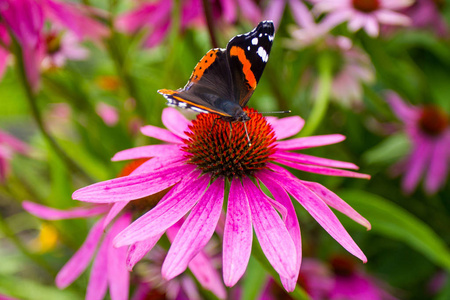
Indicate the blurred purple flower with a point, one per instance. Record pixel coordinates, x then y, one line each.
342 279
428 130
8 146
156 16
25 19
426 14
366 14
61 47
197 159
108 113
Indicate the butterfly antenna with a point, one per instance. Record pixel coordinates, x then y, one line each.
271 112
246 132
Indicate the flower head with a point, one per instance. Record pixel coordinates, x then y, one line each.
366 14
428 130
196 160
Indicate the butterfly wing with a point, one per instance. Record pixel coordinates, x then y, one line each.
208 86
247 56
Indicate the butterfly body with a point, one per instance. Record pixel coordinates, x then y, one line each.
224 79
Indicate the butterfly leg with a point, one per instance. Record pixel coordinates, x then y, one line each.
231 130
214 124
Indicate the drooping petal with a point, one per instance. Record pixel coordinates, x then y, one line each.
440 160
301 14
114 211
80 260
314 160
237 236
417 163
272 234
274 11
132 187
207 275
403 111
175 122
323 170
98 282
117 273
371 26
287 127
333 200
291 222
167 212
320 212
148 152
139 249
161 134
392 18
310 142
195 232
48 213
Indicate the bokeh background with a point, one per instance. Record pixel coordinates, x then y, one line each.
78 80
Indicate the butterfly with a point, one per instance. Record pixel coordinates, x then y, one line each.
224 79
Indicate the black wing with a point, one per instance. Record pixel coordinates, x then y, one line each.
247 56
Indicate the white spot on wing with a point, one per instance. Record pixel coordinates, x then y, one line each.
248 48
270 37
263 54
255 41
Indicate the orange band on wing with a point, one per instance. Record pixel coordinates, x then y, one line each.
166 92
246 65
203 64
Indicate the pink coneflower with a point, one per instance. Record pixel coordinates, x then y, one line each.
8 146
156 16
428 130
25 20
108 113
426 14
111 265
61 47
197 160
366 14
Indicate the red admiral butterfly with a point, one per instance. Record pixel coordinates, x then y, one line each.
224 79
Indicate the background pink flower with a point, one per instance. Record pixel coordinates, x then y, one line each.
428 130
9 145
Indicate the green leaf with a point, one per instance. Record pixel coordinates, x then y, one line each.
393 221
254 281
31 290
389 150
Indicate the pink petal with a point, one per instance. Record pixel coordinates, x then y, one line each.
403 111
437 172
167 212
333 200
195 232
250 10
98 282
114 211
207 274
356 22
139 249
274 11
48 213
320 212
161 134
131 21
118 275
287 127
156 37
301 14
148 151
228 10
392 18
308 159
175 122
11 141
272 234
158 163
323 170
80 260
371 26
291 222
237 236
132 187
310 142
417 163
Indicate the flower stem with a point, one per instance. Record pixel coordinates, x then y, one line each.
29 95
119 59
210 22
321 104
